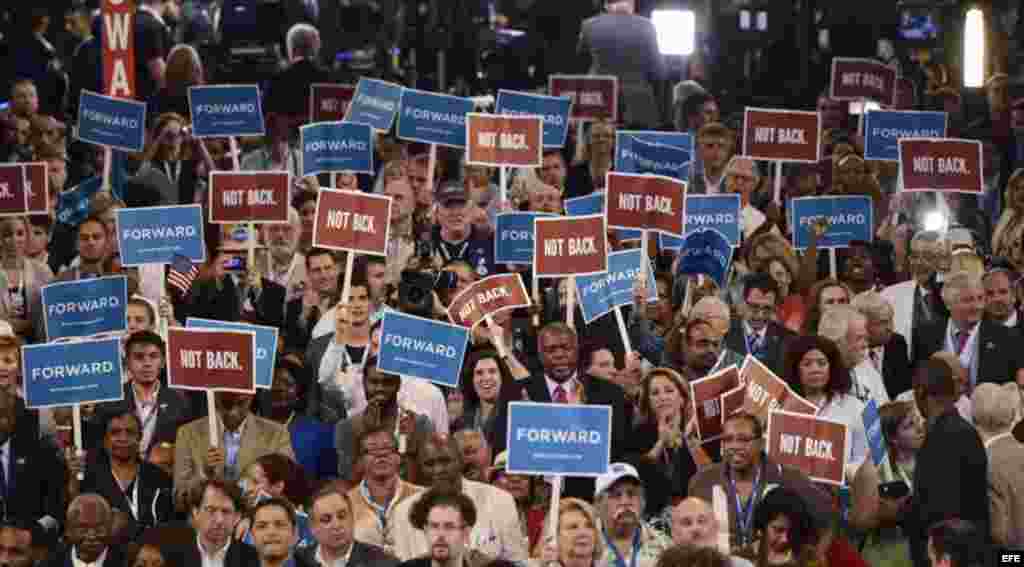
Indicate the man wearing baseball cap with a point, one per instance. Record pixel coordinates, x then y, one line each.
454 237
619 499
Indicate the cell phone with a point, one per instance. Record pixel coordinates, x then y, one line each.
235 263
893 490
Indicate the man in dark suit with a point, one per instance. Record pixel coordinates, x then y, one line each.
32 480
332 522
989 351
887 350
623 44
89 529
302 314
952 456
1000 304
216 508
288 91
563 382
756 332
160 410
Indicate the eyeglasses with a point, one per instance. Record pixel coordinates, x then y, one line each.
445 527
760 309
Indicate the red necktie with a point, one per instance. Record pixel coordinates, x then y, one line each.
560 397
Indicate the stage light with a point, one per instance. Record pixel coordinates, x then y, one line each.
974 49
676 30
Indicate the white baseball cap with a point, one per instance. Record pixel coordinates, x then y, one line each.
616 472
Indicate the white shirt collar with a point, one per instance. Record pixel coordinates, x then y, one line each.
218 555
569 385
1012 321
76 562
339 562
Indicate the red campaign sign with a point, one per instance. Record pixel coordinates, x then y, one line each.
118 48
207 359
569 246
353 221
249 196
941 164
731 402
706 394
645 202
487 297
329 102
593 97
497 140
38 188
858 79
813 445
17 189
766 392
782 135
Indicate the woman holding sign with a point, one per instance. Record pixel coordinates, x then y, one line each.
815 370
21 279
662 445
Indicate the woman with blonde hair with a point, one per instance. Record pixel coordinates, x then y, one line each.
577 541
21 279
1008 237
169 159
184 69
588 174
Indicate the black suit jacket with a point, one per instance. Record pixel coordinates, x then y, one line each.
115 558
896 370
173 411
999 353
297 332
35 481
155 497
595 391
363 555
288 91
952 456
775 336
239 555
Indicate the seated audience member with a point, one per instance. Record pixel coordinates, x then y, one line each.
215 508
89 527
332 519
619 498
694 524
446 519
375 499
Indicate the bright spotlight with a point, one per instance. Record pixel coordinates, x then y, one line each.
974 49
934 221
677 30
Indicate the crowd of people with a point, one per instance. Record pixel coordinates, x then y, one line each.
342 464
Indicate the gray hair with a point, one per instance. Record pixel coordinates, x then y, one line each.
713 303
956 283
302 40
995 406
83 500
836 320
872 305
741 159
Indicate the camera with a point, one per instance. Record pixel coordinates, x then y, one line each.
235 264
415 290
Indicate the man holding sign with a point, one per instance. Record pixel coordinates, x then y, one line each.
230 438
561 383
744 476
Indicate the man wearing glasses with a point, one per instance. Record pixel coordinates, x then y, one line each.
915 301
742 178
745 475
447 518
757 333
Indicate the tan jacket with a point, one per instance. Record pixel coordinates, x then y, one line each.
259 437
368 528
1006 490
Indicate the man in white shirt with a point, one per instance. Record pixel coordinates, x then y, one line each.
88 530
282 263
333 523
847 327
912 301
742 178
496 533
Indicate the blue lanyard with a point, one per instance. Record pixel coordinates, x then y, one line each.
745 513
619 561
382 511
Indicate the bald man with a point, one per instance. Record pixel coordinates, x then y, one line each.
88 530
694 523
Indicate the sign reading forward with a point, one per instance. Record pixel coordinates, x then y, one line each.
554 109
226 110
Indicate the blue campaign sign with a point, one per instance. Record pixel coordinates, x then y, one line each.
375 103
64 374
266 345
554 109
513 237
73 204
681 140
598 294
155 235
705 251
225 110
873 428
335 147
433 118
422 348
633 155
884 128
113 122
559 439
720 212
849 218
593 204
85 307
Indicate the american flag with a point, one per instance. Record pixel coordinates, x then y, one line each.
182 273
